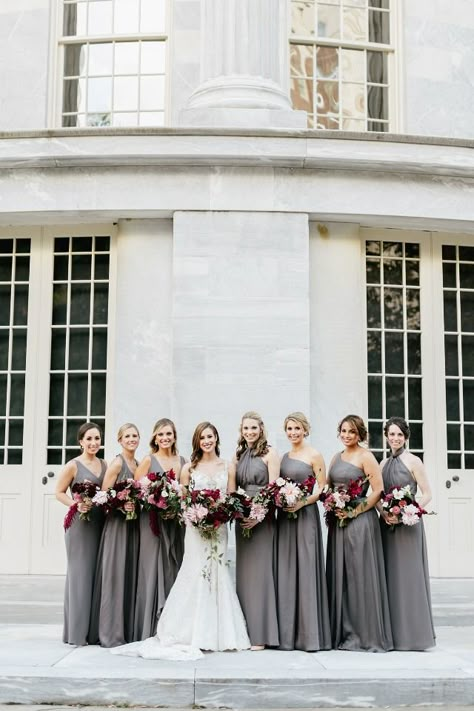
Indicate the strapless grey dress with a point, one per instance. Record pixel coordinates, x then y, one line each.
358 599
254 561
82 547
303 613
406 568
116 577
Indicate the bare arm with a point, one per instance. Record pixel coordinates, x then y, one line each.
64 482
111 474
371 470
185 476
419 472
231 479
272 461
143 468
319 470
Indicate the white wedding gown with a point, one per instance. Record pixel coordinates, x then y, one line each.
201 612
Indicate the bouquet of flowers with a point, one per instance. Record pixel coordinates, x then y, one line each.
82 493
400 502
115 498
256 508
161 496
342 498
206 510
287 493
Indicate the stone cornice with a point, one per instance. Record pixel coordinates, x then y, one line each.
298 149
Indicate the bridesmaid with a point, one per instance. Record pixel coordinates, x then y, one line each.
358 601
83 537
256 463
116 575
303 614
160 556
406 559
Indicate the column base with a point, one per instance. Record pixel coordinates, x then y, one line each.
212 117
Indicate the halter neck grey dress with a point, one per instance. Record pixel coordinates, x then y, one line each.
116 577
303 613
159 561
358 600
406 568
82 546
254 561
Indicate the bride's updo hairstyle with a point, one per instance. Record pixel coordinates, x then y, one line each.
260 448
197 452
357 423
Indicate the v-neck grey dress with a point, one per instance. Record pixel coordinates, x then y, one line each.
159 561
116 577
303 613
82 546
256 588
406 568
358 599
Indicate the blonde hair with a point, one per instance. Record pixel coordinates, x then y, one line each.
158 425
125 427
260 447
301 419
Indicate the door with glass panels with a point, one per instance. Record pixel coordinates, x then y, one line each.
420 362
54 289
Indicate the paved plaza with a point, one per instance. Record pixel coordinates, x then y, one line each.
36 668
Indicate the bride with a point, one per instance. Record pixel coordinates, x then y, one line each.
202 611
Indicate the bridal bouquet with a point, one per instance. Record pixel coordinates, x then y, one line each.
82 493
287 493
206 510
342 498
400 502
160 495
115 498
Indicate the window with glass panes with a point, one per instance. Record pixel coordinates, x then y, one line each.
340 52
78 367
458 301
14 292
393 339
114 57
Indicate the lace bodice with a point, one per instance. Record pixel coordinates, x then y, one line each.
218 480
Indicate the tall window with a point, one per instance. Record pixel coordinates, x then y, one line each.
113 62
458 298
393 339
340 63
14 292
79 320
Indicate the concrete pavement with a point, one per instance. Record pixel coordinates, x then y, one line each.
35 667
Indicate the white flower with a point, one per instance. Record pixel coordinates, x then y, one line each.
100 498
410 515
241 491
280 481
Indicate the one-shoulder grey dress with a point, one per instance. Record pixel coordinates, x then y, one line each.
358 599
116 577
303 613
254 561
159 561
406 568
82 546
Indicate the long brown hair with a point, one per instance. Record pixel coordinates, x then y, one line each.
197 452
261 446
158 425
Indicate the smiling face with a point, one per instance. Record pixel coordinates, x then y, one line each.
295 432
207 440
130 439
251 430
91 441
395 437
348 434
165 437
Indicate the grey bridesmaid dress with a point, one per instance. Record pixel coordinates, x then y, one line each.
302 600
159 561
82 546
254 561
116 577
357 589
406 568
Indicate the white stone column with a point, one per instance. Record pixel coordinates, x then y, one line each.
240 320
244 67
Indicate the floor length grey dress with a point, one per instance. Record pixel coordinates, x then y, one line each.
254 561
82 546
159 561
303 613
406 567
116 577
358 600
